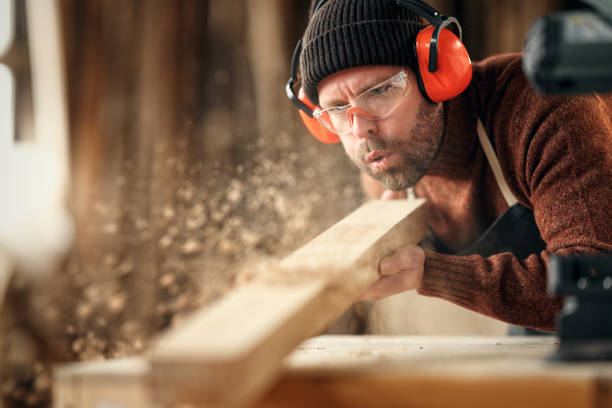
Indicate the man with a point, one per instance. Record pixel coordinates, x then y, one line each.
554 155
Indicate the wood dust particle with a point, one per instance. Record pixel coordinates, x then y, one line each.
191 246
168 212
166 280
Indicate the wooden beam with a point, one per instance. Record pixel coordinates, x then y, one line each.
436 371
109 383
232 351
379 371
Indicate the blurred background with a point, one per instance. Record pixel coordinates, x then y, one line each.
186 162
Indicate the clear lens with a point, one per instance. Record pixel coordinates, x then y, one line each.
334 119
379 101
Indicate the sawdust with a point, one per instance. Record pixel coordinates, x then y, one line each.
97 311
223 226
171 226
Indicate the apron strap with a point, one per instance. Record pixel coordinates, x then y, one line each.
494 163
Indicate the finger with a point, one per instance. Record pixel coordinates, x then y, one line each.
387 286
403 258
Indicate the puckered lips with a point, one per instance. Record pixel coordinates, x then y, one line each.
380 159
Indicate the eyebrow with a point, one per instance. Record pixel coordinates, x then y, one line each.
372 84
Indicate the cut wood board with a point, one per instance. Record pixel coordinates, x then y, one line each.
232 352
379 371
437 371
100 384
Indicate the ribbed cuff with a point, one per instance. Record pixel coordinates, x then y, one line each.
449 277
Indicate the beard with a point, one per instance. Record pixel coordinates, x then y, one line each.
418 152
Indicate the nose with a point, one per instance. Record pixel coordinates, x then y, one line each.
362 124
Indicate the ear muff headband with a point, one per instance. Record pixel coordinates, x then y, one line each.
305 107
444 66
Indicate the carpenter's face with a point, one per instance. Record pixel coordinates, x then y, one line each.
398 149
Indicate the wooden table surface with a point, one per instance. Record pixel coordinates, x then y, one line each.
381 371
419 371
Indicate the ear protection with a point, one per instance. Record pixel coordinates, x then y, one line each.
444 66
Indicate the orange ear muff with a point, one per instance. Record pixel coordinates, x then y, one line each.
313 125
454 71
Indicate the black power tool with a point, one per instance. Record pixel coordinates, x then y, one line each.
571 52
585 322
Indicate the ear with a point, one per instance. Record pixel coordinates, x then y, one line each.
454 71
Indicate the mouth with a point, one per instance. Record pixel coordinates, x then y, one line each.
376 156
380 160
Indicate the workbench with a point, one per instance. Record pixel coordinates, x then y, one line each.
418 371
383 371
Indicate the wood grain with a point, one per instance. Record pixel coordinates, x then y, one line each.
436 371
380 371
94 384
231 352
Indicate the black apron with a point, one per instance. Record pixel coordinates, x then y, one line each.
514 231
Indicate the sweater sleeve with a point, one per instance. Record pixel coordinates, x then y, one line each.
556 155
499 286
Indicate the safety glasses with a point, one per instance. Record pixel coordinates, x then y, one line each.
376 103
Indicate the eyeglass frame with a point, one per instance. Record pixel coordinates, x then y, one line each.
351 109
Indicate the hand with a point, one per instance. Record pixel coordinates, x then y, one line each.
399 272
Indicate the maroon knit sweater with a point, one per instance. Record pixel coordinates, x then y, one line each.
556 156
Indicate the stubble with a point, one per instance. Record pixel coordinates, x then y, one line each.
418 152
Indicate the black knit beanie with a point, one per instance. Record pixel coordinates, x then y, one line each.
352 33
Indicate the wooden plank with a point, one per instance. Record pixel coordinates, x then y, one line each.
430 391
231 352
428 371
379 371
95 384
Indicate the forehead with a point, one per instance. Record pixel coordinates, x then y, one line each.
348 83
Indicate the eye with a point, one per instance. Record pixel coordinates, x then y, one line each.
337 108
380 90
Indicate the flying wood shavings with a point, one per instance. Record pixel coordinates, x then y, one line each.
170 217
